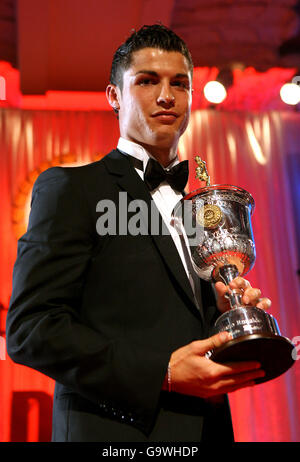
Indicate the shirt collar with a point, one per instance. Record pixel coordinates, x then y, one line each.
139 152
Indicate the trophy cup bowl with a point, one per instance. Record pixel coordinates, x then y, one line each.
224 250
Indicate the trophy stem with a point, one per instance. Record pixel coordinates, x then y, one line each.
226 274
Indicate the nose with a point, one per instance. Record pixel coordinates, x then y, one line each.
166 97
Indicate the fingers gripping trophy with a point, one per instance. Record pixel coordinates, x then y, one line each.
224 251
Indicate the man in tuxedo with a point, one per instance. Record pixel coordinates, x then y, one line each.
118 319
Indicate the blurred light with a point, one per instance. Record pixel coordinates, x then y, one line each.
257 151
215 92
2 88
290 93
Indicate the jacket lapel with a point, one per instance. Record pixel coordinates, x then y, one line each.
120 166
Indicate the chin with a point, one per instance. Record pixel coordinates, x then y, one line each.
167 142
166 135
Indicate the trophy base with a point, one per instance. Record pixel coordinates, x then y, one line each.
274 352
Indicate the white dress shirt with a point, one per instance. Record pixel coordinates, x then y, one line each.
164 196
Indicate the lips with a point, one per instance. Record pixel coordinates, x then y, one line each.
165 117
165 114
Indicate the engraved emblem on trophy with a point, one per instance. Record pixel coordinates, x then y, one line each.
224 251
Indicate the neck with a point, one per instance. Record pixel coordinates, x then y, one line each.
163 156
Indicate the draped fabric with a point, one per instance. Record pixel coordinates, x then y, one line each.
255 152
258 152
31 141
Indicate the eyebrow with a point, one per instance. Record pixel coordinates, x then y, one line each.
155 74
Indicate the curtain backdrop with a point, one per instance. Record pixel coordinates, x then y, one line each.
258 152
252 151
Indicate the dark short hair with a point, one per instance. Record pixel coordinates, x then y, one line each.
154 36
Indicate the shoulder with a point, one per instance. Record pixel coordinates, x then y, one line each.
77 173
68 194
78 176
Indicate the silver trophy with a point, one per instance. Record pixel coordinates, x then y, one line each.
224 251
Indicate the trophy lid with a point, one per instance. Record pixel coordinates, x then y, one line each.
225 188
202 175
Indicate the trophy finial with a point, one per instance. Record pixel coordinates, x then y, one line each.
201 171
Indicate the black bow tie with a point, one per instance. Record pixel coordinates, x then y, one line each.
176 176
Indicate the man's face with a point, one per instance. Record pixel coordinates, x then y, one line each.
155 101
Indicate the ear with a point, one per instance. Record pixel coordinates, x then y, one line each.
112 93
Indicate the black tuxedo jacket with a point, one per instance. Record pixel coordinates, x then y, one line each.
101 315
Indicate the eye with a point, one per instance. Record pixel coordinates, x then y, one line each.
147 81
181 84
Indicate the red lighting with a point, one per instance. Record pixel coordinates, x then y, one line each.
251 91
